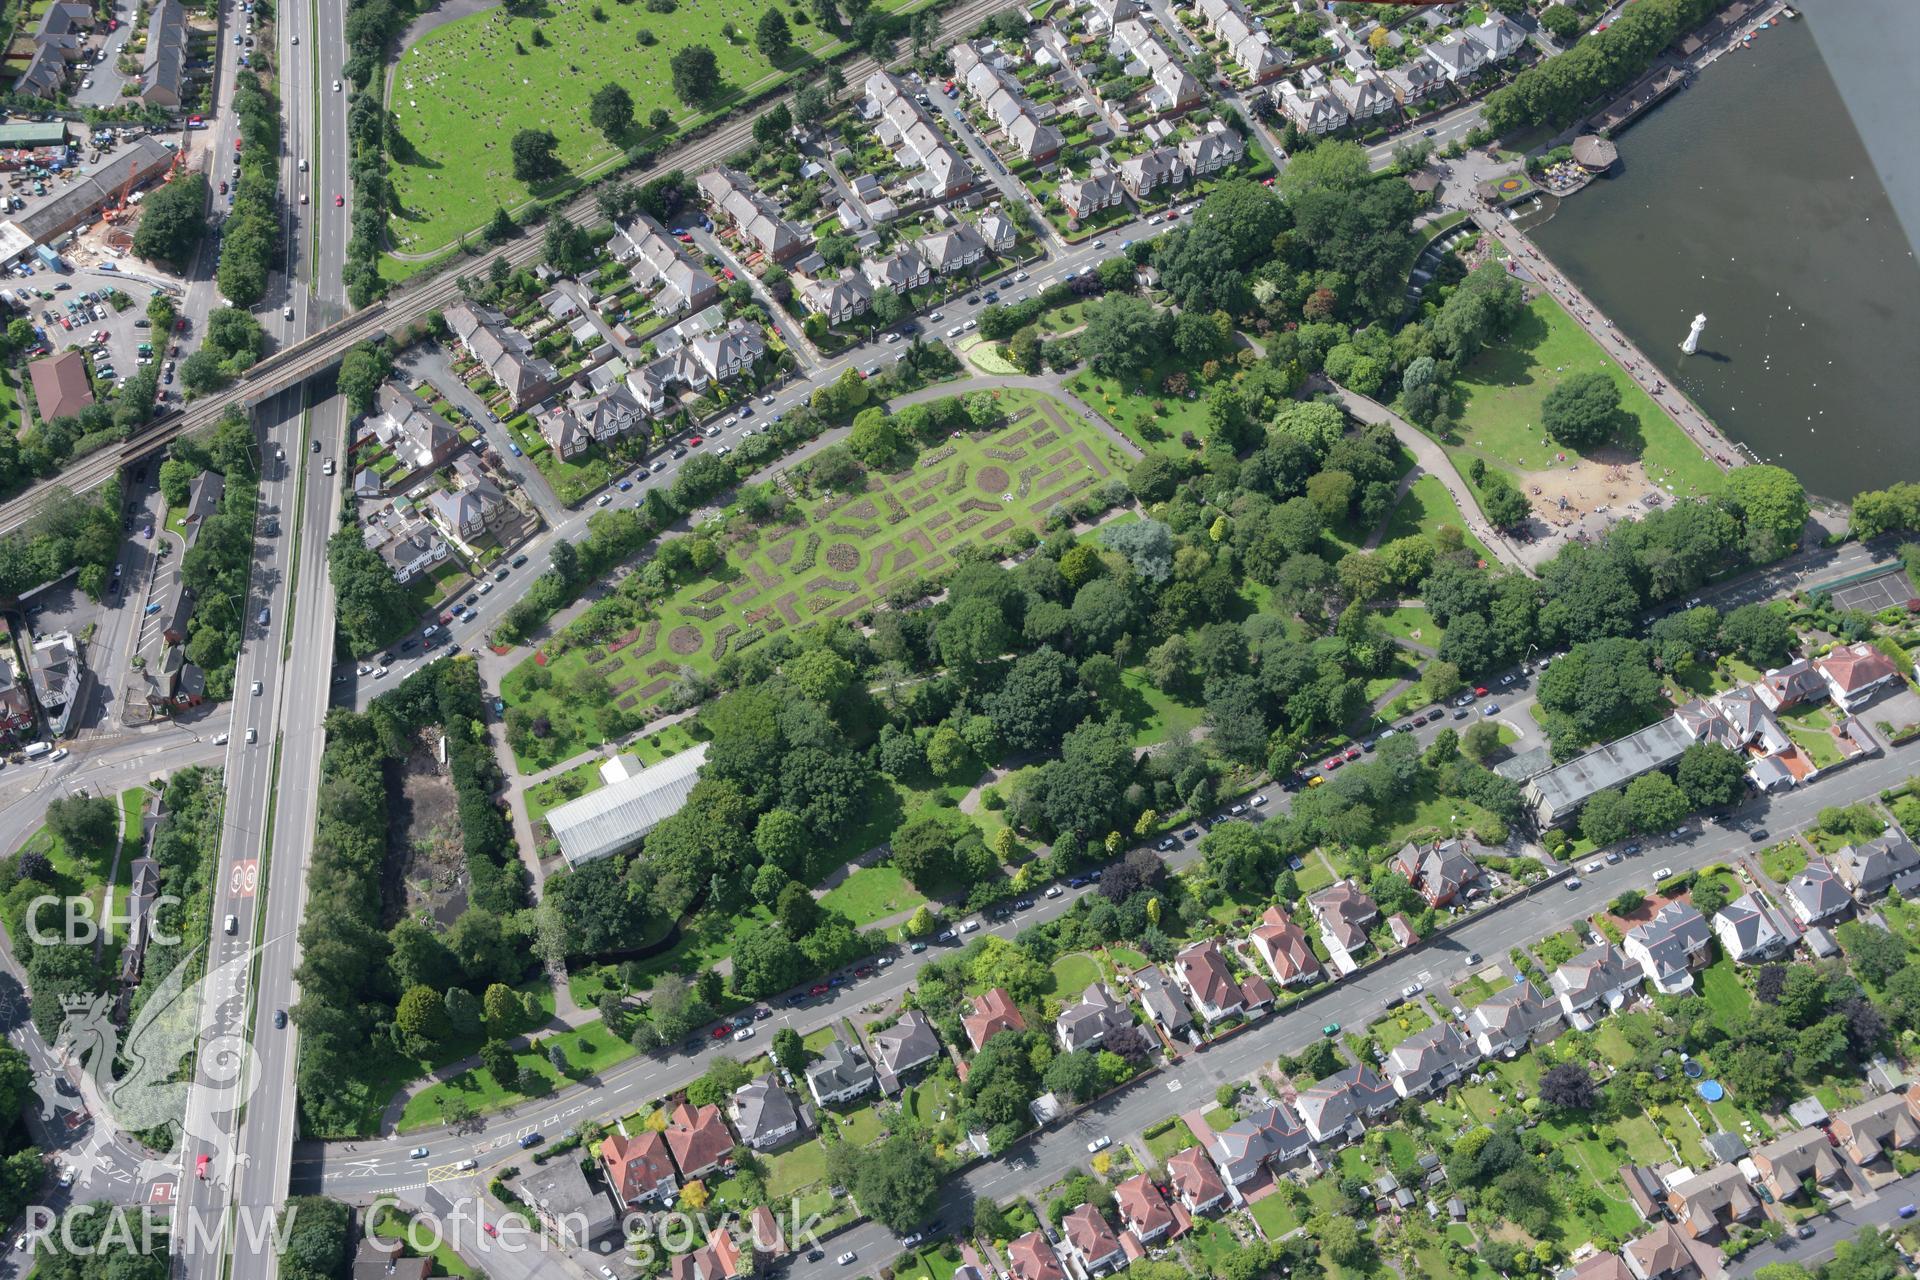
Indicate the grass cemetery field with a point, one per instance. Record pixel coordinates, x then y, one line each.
461 91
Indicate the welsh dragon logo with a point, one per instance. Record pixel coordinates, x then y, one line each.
179 1073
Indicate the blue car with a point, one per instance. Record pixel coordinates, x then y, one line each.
514 447
625 485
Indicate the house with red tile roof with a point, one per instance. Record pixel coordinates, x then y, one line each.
1855 672
1202 972
1194 1180
993 1012
1284 946
1032 1258
767 1236
1090 1240
699 1139
1143 1210
638 1168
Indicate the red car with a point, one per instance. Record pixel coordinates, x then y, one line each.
696 441
1334 762
113 24
446 619
195 120
1353 753
727 272
236 144
223 188
1480 691
864 971
200 1165
721 1032
818 989
339 202
490 1229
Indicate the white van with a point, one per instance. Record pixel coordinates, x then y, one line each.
233 924
37 749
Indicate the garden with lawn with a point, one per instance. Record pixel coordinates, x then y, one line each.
1500 393
872 893
843 557
458 93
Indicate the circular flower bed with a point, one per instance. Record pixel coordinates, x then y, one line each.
992 480
843 557
685 641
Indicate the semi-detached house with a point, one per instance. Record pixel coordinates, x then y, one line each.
1174 87
1195 1180
1752 929
1142 1209
503 351
1233 25
1284 946
980 67
638 1168
1270 1137
1336 1106
735 201
658 261
1090 1241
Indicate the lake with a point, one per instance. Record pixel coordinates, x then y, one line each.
1752 197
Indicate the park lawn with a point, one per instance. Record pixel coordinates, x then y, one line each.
985 356
1412 622
385 1071
456 96
796 1169
1153 714
1174 1140
589 1050
1784 861
873 893
1427 507
1501 390
837 562
1152 419
1073 974
582 779
928 1263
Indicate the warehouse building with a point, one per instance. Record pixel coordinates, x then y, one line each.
1556 795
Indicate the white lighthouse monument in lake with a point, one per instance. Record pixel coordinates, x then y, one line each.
1692 344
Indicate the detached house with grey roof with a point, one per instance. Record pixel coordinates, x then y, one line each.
956 249
764 1115
838 298
1670 946
1087 1024
1270 1137
1508 1021
1345 914
1751 928
1337 1106
1210 152
840 1074
900 1048
1594 984
1163 1001
1102 188
1873 867
1429 1061
1816 894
